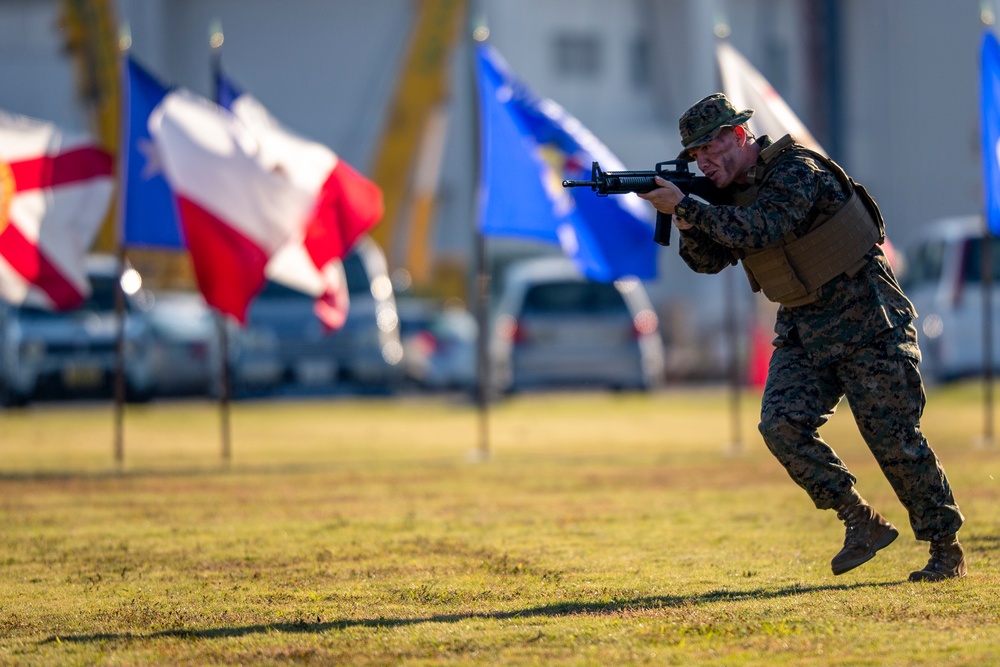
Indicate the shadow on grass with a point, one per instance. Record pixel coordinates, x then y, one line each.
553 610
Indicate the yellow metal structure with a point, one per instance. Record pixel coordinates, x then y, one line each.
91 35
409 156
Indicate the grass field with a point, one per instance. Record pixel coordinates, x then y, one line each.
601 530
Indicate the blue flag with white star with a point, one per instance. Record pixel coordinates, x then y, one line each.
149 216
528 146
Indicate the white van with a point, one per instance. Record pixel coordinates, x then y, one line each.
943 277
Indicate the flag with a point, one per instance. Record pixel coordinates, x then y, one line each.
990 128
345 205
747 88
237 209
55 190
528 146
150 216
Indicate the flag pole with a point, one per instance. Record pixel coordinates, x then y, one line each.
119 381
480 32
735 445
987 19
124 43
987 280
215 40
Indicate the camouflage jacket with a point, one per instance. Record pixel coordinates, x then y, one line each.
850 312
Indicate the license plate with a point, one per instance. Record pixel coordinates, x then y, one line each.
80 377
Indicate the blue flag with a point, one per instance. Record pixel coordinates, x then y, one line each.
528 146
150 215
990 124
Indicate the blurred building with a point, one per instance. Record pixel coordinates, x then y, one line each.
889 87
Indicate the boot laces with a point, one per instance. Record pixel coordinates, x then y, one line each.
941 556
854 518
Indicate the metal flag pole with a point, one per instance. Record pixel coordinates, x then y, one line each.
987 279
987 20
480 32
124 43
735 388
119 380
215 40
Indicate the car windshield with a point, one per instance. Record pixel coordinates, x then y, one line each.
354 269
358 281
925 265
101 300
972 266
574 297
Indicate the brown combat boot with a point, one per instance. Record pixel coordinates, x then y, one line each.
867 532
947 561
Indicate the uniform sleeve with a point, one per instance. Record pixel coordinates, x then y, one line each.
703 254
783 202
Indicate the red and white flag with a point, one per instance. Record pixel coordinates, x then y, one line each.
55 190
747 88
345 206
256 201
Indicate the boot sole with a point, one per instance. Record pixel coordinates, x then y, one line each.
930 575
884 540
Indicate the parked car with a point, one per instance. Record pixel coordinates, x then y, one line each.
70 354
365 351
942 276
183 344
555 328
439 344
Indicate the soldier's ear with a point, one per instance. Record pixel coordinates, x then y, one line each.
741 135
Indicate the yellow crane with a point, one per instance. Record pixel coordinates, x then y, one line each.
414 138
90 34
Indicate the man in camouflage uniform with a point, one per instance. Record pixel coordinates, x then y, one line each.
851 335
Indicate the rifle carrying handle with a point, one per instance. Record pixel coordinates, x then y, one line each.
662 232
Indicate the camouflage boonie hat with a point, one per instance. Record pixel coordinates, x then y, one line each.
703 121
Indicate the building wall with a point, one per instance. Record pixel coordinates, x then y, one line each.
36 79
326 69
912 102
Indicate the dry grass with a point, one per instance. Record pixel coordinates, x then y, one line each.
602 529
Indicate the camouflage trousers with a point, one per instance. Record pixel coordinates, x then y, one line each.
883 387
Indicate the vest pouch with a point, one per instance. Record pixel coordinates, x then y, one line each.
771 271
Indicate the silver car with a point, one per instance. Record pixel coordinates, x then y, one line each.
47 354
553 327
183 344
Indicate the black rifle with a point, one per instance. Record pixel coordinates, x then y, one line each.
606 183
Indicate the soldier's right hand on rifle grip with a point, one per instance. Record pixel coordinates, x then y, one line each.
665 198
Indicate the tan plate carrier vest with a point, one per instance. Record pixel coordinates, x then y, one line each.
792 270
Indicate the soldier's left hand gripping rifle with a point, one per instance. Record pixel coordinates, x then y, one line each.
606 183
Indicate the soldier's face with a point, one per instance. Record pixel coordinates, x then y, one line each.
719 158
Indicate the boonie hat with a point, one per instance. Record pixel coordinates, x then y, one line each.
703 121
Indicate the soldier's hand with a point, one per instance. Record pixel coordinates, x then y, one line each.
681 224
665 198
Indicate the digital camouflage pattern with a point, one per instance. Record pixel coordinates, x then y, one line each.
856 340
883 387
703 121
797 191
